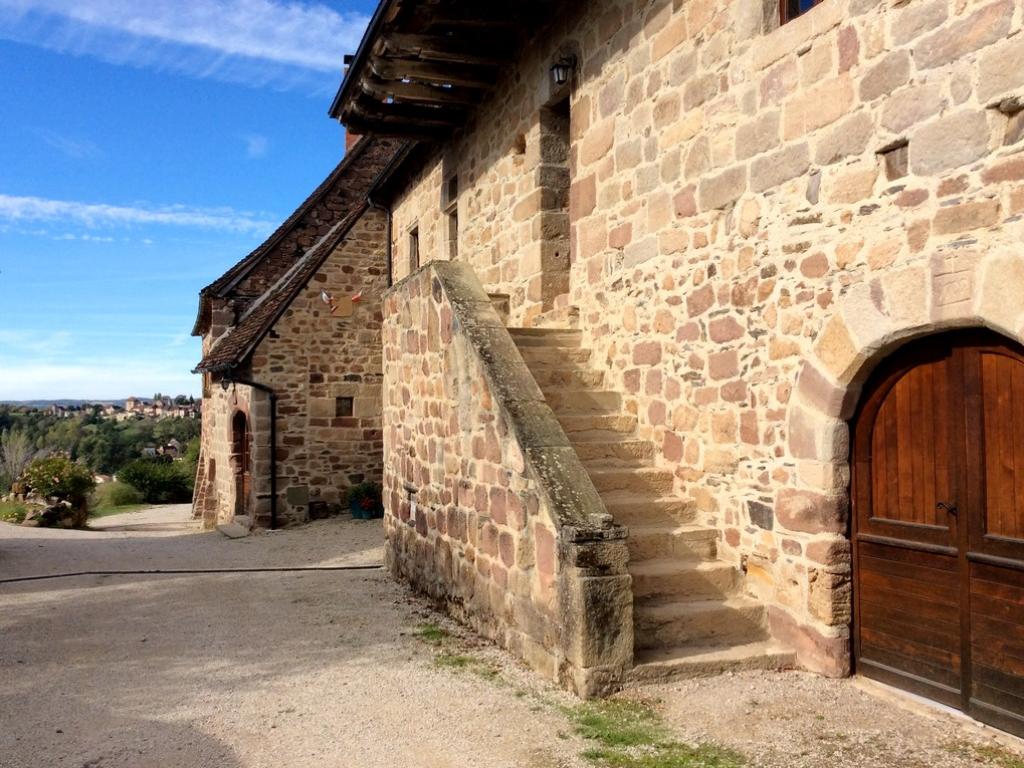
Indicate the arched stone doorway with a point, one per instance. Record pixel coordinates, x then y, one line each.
241 460
937 524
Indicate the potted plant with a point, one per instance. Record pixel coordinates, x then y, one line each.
364 499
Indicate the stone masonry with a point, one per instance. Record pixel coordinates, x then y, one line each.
321 360
488 508
758 215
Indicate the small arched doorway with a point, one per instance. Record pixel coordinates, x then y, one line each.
938 524
241 461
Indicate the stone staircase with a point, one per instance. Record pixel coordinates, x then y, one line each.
690 614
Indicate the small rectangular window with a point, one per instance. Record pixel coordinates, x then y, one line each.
453 235
790 9
450 206
449 192
344 407
414 249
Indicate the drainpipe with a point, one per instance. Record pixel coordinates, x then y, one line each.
273 438
387 233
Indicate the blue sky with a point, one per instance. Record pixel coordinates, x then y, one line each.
146 147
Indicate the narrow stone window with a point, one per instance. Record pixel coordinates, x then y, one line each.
344 407
790 9
450 206
453 234
414 249
896 158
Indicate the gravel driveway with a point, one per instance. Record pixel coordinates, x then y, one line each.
324 668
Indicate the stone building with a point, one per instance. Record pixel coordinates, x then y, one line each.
669 273
291 357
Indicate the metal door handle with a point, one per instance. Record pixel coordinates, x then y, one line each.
950 507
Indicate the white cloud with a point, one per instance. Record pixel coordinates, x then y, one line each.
36 342
36 209
256 145
84 238
96 363
76 149
257 42
99 380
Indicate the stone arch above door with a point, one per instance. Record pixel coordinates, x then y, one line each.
957 288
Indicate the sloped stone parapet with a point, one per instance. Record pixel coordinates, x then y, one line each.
488 508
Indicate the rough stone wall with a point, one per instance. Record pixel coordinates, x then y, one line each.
215 495
420 209
310 359
488 509
746 199
511 180
344 195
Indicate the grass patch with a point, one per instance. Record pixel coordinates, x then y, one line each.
445 660
115 499
629 734
987 754
463 661
107 511
12 511
618 723
431 634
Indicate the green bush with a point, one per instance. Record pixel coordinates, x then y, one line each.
60 478
116 495
12 511
159 482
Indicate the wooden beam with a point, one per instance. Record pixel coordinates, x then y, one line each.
495 15
392 129
447 48
421 93
432 72
410 113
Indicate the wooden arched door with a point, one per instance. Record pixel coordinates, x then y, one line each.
240 449
938 524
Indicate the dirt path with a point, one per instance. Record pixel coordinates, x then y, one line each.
310 669
167 537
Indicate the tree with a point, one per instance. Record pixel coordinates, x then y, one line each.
160 482
15 453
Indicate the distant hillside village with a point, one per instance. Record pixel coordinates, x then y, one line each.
134 408
149 444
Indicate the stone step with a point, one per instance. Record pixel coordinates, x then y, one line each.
632 510
545 337
661 540
683 579
583 401
568 378
558 357
564 316
596 426
639 480
702 622
661 664
598 452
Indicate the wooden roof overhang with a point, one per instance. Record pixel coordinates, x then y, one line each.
424 64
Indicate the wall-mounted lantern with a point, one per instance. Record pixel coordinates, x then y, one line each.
562 69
